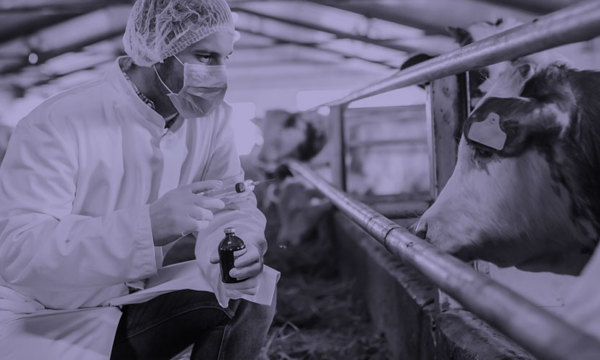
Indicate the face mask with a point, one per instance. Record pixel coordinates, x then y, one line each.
203 89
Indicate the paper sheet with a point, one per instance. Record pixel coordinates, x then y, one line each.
187 275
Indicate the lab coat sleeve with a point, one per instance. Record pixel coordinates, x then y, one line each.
246 218
43 245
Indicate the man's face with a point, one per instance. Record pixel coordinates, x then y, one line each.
214 49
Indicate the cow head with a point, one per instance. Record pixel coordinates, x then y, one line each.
525 191
482 80
287 135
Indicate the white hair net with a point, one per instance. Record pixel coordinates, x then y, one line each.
158 29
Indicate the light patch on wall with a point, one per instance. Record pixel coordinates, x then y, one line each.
412 95
247 134
309 99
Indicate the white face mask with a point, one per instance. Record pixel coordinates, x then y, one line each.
203 89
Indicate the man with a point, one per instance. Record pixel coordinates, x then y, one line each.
97 181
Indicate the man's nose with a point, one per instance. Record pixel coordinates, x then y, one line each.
419 229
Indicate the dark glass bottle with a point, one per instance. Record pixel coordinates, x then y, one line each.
227 247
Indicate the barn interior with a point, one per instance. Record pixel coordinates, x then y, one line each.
292 55
348 297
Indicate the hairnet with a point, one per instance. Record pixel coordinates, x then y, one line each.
158 29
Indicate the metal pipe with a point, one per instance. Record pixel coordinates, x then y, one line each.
536 6
540 332
576 23
385 43
283 40
63 37
432 16
56 6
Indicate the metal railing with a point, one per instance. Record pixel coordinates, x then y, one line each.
576 23
542 333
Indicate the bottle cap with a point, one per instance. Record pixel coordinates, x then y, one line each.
229 230
240 187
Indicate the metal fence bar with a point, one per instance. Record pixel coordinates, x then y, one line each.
542 333
576 23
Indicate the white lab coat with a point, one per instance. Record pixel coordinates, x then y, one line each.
75 188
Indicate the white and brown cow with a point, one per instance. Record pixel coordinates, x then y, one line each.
526 188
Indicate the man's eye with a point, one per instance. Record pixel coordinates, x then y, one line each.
204 58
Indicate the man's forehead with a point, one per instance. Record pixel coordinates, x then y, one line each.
220 42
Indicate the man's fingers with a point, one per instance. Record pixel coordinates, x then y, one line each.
246 256
244 261
208 203
200 186
247 271
238 253
214 257
201 224
199 213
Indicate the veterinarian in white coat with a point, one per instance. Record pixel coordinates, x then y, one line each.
98 179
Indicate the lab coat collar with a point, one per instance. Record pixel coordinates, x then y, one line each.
118 80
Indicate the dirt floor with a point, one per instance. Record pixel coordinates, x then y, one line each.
317 316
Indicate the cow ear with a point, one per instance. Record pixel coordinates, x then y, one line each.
550 85
527 70
509 84
540 125
510 125
462 36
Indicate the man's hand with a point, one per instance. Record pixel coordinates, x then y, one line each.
182 211
247 265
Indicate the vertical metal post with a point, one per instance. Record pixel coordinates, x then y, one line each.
338 153
446 108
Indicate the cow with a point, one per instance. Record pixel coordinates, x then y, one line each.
288 135
525 191
300 209
293 208
482 80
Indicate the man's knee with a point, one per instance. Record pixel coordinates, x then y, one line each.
255 314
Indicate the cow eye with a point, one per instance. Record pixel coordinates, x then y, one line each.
484 153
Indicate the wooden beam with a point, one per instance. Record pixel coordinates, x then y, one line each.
446 110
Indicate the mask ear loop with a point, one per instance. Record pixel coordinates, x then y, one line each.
182 64
161 80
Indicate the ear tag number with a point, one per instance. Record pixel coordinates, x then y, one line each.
488 132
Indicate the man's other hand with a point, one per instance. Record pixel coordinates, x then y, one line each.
182 211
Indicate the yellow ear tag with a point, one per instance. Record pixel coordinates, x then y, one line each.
488 132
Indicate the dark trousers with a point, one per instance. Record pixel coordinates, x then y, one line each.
166 325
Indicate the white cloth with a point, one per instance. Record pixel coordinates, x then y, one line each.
75 185
582 306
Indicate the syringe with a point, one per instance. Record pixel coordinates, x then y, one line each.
232 190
